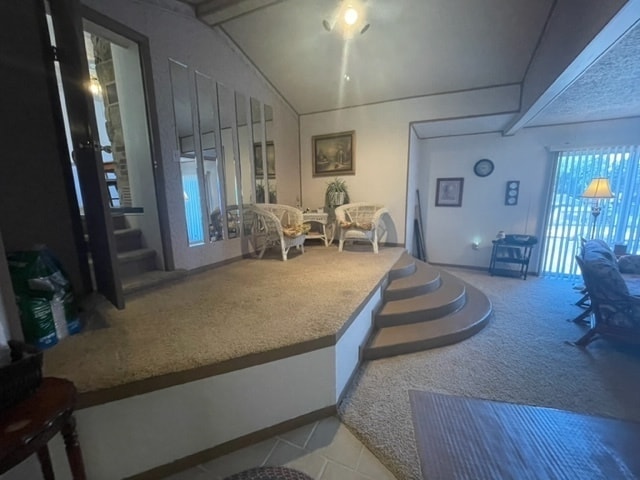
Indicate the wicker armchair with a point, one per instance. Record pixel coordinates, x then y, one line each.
277 225
360 221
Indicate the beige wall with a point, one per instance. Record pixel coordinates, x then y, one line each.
525 156
382 144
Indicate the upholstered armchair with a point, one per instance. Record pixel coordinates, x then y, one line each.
616 311
360 221
276 225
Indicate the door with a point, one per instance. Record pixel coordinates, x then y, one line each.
67 26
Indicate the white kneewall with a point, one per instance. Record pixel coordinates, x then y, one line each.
133 435
349 345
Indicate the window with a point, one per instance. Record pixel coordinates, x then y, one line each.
570 216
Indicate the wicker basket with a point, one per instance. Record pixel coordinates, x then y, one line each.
22 376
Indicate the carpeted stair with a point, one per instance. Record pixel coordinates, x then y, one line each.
425 307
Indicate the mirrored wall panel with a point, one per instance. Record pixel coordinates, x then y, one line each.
244 147
257 133
226 113
270 154
208 129
187 152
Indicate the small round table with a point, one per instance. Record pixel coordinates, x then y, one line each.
27 427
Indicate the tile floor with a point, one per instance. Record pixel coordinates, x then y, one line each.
324 450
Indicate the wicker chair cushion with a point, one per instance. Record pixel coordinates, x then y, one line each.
269 473
293 231
358 225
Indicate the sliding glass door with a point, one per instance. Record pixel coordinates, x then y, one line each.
571 216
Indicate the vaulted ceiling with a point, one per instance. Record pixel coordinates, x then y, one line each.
414 48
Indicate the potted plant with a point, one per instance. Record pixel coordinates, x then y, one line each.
336 193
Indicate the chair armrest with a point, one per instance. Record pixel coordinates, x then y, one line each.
378 215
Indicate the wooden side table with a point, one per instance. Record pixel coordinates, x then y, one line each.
26 428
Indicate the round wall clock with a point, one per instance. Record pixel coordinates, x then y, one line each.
483 167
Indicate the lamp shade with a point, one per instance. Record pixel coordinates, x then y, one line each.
598 188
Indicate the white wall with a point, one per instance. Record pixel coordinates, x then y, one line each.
382 144
525 157
175 33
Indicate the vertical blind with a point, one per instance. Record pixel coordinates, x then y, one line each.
570 217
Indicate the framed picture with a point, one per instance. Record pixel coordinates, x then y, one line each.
449 192
271 160
333 154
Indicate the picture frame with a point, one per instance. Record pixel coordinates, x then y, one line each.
271 160
449 192
333 154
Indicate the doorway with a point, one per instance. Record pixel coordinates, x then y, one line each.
106 117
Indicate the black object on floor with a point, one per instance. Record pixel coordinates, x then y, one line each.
459 437
270 473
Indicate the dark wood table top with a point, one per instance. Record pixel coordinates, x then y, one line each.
29 425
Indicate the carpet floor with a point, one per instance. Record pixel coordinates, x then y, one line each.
520 357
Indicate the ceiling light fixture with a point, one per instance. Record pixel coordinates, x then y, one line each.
348 19
350 15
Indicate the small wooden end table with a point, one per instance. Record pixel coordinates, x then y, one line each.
27 427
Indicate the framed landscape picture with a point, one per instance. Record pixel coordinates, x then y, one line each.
333 154
449 192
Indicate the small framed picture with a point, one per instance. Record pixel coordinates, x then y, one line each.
449 192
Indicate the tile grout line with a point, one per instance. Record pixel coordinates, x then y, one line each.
313 431
273 447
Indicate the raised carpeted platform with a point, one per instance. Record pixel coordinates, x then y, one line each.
467 438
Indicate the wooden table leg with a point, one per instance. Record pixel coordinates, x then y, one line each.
45 463
74 454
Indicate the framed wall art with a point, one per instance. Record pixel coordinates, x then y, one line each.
333 154
449 192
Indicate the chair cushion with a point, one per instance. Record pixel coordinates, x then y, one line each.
295 230
358 225
629 264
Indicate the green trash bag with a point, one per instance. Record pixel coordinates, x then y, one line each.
48 310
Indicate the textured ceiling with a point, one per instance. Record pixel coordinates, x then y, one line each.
415 48
608 89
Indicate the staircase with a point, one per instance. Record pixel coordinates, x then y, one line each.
137 264
424 307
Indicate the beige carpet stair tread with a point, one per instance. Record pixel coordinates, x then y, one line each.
405 265
446 299
151 279
451 328
425 279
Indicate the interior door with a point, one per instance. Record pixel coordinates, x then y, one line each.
67 25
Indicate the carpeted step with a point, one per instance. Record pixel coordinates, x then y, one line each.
136 262
128 239
406 265
148 280
425 279
448 298
451 328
